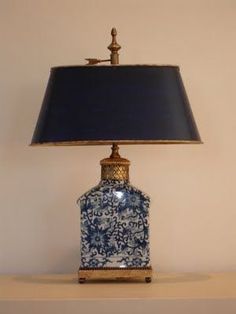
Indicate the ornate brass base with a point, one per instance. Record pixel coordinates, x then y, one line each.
115 273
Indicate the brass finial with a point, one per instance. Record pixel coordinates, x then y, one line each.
114 47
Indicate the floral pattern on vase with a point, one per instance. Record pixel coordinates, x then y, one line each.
114 226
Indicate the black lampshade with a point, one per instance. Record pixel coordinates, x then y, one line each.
137 104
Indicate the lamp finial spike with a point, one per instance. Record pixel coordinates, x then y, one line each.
113 31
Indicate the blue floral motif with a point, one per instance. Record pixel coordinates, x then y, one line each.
96 239
114 226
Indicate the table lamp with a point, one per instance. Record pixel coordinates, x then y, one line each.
110 105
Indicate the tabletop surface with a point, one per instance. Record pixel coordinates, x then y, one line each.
163 286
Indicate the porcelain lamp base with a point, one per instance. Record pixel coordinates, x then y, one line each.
114 226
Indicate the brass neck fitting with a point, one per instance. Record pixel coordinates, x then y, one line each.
115 167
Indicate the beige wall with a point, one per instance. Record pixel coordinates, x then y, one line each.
193 214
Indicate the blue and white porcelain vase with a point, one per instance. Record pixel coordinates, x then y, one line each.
114 220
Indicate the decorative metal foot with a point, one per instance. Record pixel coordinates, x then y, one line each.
140 273
82 280
148 279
